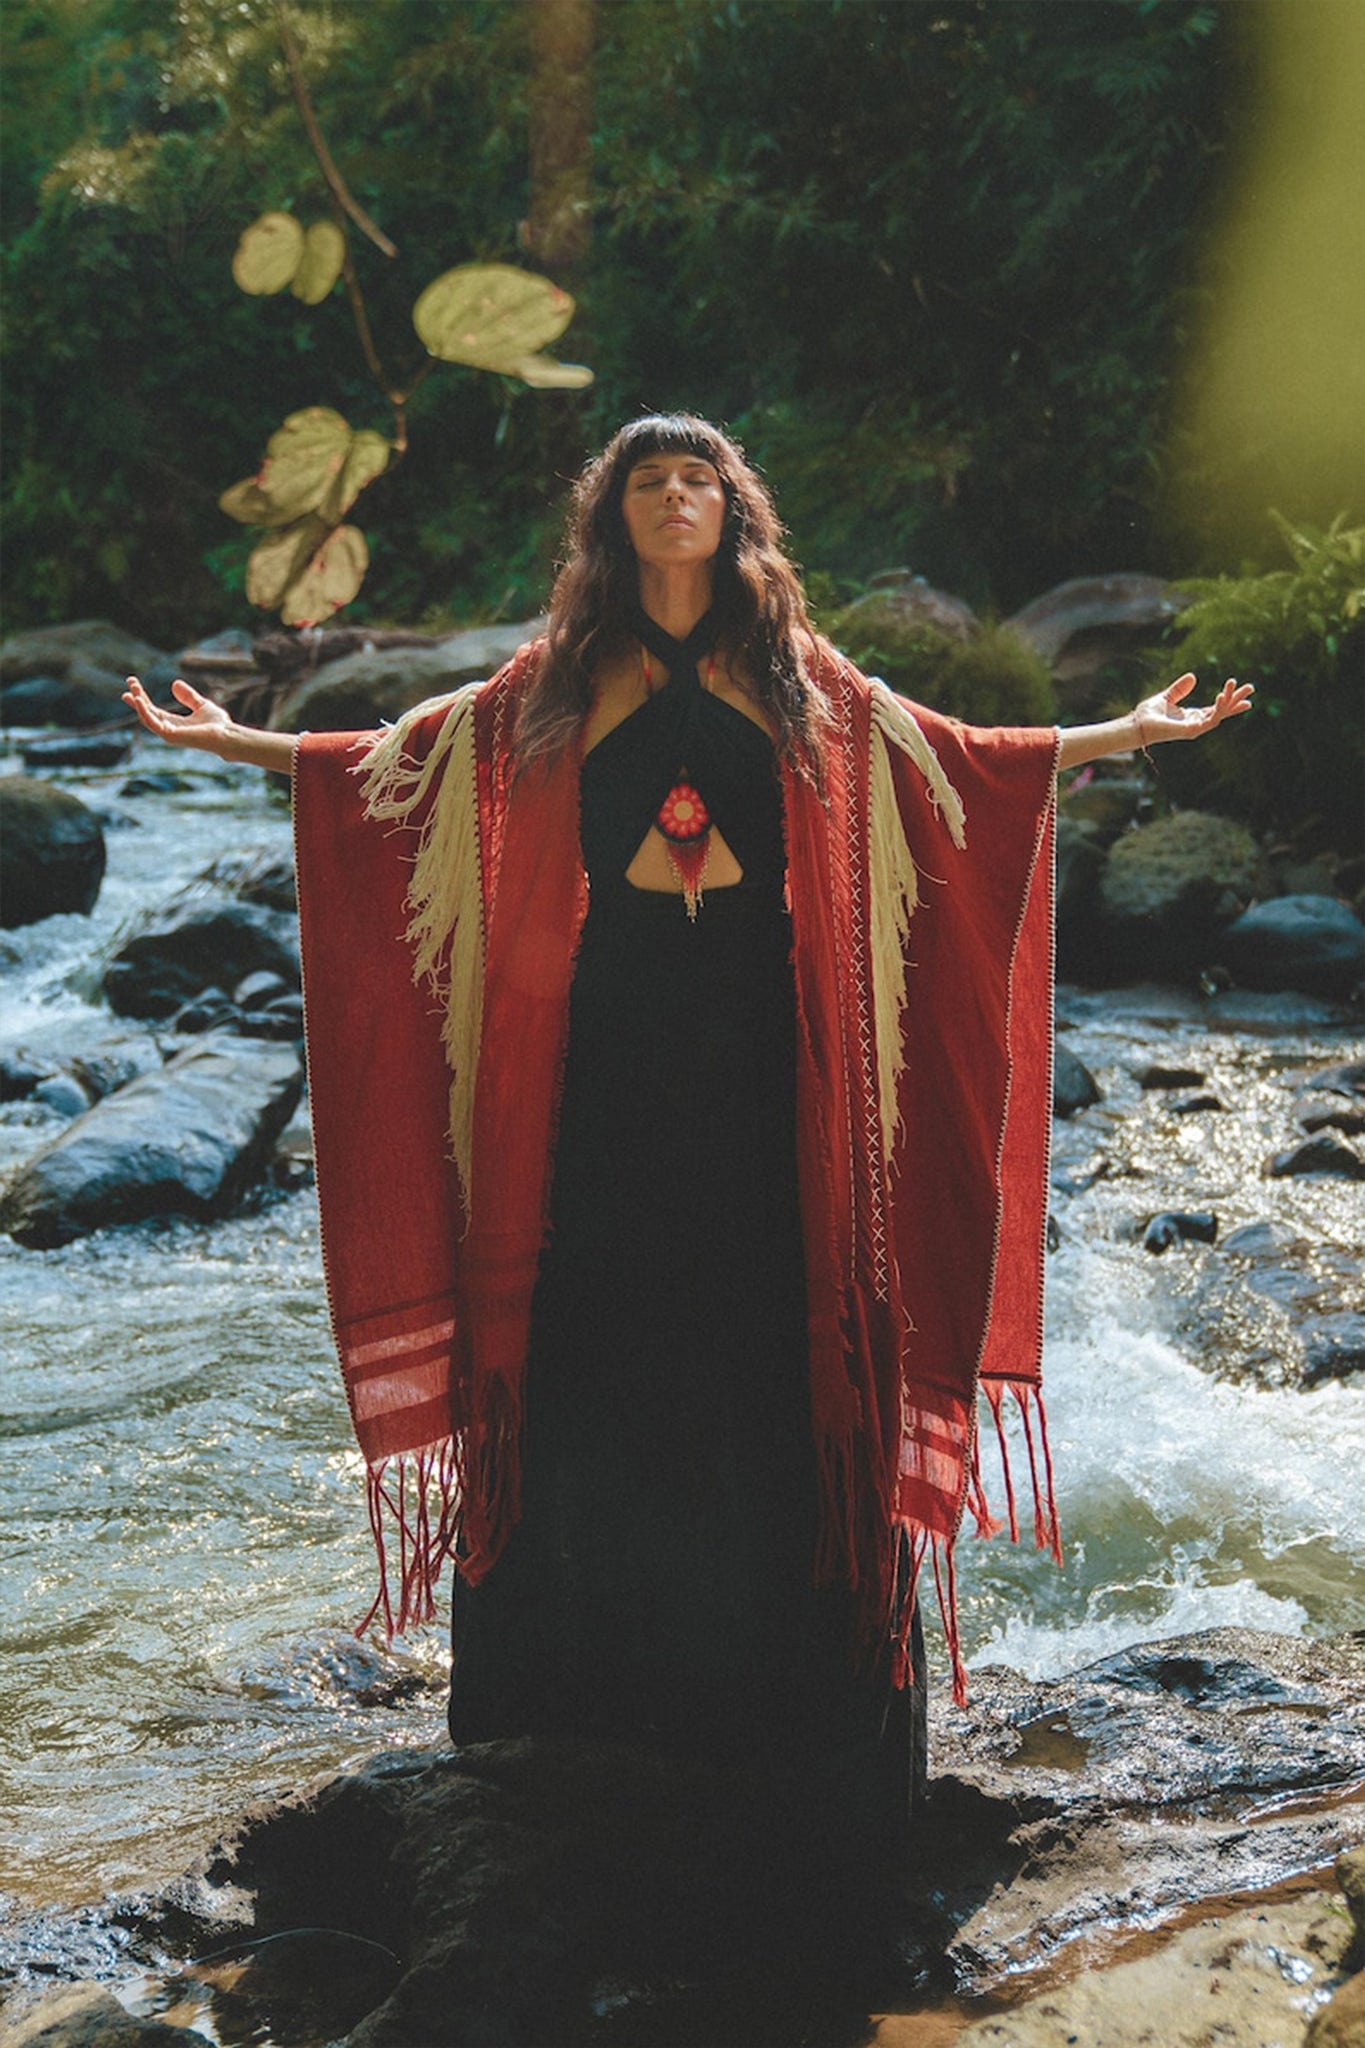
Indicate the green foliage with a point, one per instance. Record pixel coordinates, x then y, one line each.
1299 635
931 260
994 678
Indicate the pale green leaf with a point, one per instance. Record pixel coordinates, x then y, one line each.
248 503
490 316
280 557
328 579
543 373
304 460
368 458
324 252
268 254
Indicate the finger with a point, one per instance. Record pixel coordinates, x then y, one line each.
1181 687
186 693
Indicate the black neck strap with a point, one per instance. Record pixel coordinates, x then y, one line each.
679 657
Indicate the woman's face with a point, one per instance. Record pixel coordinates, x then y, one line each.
674 509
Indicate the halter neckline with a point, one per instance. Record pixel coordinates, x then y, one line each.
679 657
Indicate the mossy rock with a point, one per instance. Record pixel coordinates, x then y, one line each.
985 675
1169 889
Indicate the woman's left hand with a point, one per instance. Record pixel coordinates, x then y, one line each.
1166 716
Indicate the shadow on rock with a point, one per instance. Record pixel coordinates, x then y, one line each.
572 1892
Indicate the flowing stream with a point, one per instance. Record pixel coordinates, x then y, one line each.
184 1537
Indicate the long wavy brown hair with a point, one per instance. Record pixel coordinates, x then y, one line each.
759 603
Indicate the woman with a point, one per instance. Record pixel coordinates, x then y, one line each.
679 1331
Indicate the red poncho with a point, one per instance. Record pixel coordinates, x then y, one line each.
440 903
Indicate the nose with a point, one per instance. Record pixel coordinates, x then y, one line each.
674 487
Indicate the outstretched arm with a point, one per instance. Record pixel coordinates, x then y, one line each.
1161 717
207 726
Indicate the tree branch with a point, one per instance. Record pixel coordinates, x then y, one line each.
336 184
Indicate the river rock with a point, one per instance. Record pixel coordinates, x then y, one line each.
89 750
1312 943
21 1071
1079 626
899 604
525 1882
178 954
1170 888
1174 1226
1243 1980
521 1881
362 690
1109 804
1080 863
53 700
1323 1153
88 2016
63 1095
1156 1075
87 648
1073 1085
1329 1113
1276 1309
255 876
186 1140
114 1062
1341 2022
51 852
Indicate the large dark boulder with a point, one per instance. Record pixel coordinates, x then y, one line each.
1171 888
106 749
190 948
363 689
1314 943
521 1881
1079 626
91 659
68 700
51 852
187 1140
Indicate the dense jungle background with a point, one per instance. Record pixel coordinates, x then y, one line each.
935 264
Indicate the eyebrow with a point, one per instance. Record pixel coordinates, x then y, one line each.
661 461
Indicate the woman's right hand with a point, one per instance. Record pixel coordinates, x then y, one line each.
204 723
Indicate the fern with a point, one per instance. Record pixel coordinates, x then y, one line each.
1299 635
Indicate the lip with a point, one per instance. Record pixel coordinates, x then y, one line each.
678 519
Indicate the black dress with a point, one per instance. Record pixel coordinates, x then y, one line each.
659 1588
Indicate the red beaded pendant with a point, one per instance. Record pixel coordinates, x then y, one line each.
684 824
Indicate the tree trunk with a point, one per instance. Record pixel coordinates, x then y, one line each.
559 229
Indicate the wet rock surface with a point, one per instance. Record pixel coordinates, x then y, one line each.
184 951
522 1892
87 2016
90 750
1249 1979
51 852
1073 1085
188 1139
